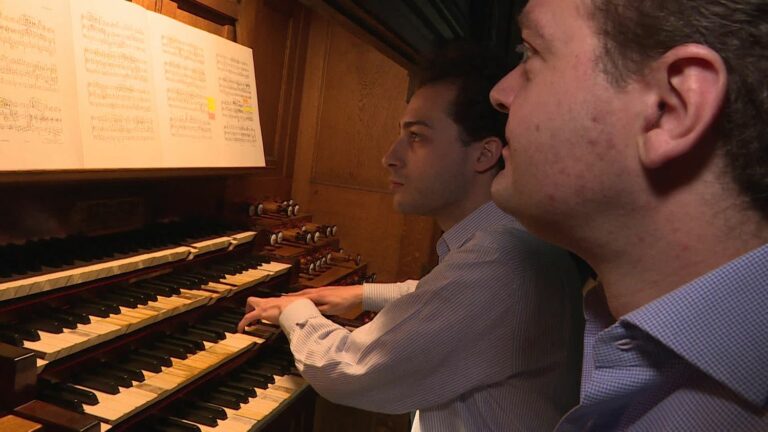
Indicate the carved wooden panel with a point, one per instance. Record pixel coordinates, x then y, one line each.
352 101
363 97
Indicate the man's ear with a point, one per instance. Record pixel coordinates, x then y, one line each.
488 154
688 86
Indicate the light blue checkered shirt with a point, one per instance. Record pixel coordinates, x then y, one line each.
695 359
482 344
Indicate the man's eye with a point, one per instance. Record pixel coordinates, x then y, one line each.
525 50
413 136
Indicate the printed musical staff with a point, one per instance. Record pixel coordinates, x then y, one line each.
31 115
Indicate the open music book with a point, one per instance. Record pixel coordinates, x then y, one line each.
101 84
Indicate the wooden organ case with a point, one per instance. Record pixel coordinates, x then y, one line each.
120 290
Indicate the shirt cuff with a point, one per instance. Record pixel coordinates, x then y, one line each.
296 315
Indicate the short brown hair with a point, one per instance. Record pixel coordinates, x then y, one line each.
636 32
474 70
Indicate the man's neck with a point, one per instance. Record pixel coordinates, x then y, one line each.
447 217
641 265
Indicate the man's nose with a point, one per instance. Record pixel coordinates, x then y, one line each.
391 158
504 91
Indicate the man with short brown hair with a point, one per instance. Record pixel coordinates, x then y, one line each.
638 136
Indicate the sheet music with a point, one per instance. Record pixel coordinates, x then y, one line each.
107 84
186 92
240 124
113 69
38 130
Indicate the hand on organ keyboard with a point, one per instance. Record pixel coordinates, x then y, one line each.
333 300
267 309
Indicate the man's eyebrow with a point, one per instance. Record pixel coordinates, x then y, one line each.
411 123
528 23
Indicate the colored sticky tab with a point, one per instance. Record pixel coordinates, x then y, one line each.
211 104
248 108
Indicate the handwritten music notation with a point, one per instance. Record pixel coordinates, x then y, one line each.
175 47
33 117
28 74
27 33
119 128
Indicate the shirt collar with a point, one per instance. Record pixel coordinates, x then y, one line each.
484 216
719 323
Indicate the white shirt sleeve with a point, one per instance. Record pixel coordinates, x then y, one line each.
378 295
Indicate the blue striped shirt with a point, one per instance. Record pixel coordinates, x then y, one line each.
481 344
695 359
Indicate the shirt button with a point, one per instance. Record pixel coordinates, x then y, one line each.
625 344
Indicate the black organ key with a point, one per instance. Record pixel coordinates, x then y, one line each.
11 338
197 416
170 424
143 296
68 320
25 332
238 395
172 288
44 325
162 359
197 343
157 291
267 373
134 373
120 299
96 383
115 376
143 363
168 350
64 390
68 403
187 347
246 390
214 411
219 334
252 380
224 400
110 305
222 325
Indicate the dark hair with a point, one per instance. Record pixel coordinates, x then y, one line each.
474 70
635 32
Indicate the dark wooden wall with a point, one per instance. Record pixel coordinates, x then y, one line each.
352 101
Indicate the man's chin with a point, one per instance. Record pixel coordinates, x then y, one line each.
503 198
408 207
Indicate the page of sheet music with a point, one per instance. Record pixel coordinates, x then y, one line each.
206 98
113 70
240 124
186 92
38 127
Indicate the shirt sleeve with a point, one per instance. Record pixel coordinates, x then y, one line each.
378 295
481 316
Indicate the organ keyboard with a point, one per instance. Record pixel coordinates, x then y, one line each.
137 330
43 265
